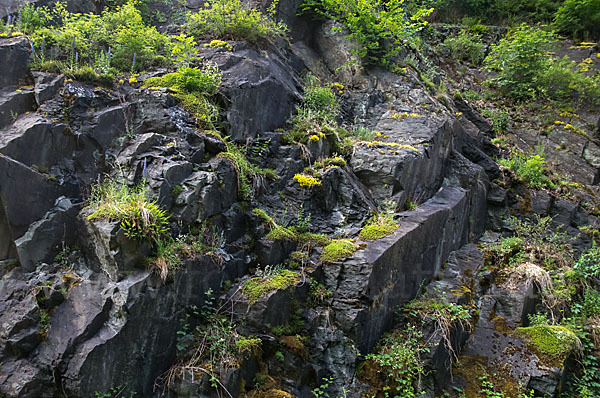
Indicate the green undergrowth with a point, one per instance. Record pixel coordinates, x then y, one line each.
552 343
256 288
246 171
377 227
338 249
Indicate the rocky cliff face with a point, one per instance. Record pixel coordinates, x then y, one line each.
81 312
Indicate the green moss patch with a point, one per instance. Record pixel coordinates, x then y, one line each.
551 343
338 249
378 227
257 288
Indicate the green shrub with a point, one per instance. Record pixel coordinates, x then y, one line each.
193 86
315 117
230 19
579 18
466 47
518 60
140 218
382 28
529 169
561 80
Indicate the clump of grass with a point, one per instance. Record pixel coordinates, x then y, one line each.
139 217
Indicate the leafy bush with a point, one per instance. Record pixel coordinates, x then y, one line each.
579 18
466 47
140 218
518 60
315 118
193 86
471 12
562 80
525 69
382 28
529 169
230 19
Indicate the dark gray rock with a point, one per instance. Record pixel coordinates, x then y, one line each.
390 270
404 173
45 236
53 142
24 203
15 102
14 58
47 86
250 78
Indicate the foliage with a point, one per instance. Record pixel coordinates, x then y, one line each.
579 18
315 117
378 226
363 134
382 28
338 249
78 38
552 342
232 20
140 218
466 47
203 241
256 288
399 358
473 12
588 264
166 258
203 81
246 171
525 69
518 59
528 168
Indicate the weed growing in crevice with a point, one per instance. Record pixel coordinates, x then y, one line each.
211 348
